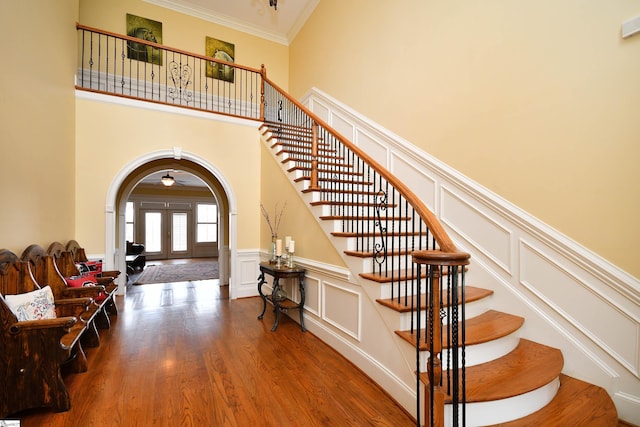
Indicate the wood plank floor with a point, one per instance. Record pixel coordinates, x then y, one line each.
183 354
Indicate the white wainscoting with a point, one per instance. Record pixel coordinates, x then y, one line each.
247 271
572 299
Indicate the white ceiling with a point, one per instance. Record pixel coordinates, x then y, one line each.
255 17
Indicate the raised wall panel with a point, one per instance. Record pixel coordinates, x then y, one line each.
343 127
247 270
372 147
320 110
312 295
414 177
481 231
341 308
580 304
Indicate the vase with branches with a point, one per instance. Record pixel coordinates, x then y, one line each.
274 223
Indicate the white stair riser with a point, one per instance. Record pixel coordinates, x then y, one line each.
472 309
499 411
475 354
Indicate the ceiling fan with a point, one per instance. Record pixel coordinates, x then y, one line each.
174 178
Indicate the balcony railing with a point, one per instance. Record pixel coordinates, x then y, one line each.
138 69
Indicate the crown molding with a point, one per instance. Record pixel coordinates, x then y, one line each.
224 20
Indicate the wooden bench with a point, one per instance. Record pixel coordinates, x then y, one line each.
44 270
106 278
32 352
67 267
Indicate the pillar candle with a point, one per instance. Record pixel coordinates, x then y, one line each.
292 245
279 247
287 240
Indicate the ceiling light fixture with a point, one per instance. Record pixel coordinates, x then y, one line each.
274 3
167 180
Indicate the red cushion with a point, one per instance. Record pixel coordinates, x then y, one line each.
94 266
80 281
86 280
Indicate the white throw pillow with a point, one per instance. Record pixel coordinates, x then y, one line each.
33 305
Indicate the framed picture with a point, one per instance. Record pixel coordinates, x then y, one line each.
145 29
224 51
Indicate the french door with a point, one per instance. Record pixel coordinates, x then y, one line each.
166 233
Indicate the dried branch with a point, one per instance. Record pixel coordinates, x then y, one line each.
275 224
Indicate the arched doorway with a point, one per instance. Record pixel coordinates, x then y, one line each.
133 173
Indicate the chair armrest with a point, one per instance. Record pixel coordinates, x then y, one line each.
73 306
83 292
35 325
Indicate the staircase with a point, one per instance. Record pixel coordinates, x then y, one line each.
510 381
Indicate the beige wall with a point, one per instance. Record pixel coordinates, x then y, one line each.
126 134
37 122
188 33
297 221
537 101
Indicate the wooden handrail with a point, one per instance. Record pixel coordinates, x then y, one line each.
444 241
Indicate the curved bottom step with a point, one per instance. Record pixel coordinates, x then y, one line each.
486 413
577 403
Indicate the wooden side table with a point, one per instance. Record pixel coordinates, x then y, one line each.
279 303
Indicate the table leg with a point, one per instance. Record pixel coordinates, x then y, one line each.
301 306
276 285
261 281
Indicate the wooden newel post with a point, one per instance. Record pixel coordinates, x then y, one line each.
434 396
437 393
263 74
314 157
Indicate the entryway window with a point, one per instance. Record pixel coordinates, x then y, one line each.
207 223
129 222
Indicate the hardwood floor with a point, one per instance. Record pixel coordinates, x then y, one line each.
183 354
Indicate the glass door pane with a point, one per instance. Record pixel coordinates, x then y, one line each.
153 232
179 230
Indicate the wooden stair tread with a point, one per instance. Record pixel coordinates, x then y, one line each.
340 191
295 141
398 275
577 403
471 294
334 181
270 125
320 162
528 367
377 234
369 254
488 326
394 275
300 150
364 218
358 204
326 171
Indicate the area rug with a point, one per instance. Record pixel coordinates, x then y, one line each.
166 273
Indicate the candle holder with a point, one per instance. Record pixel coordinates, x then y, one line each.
290 259
272 260
278 261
